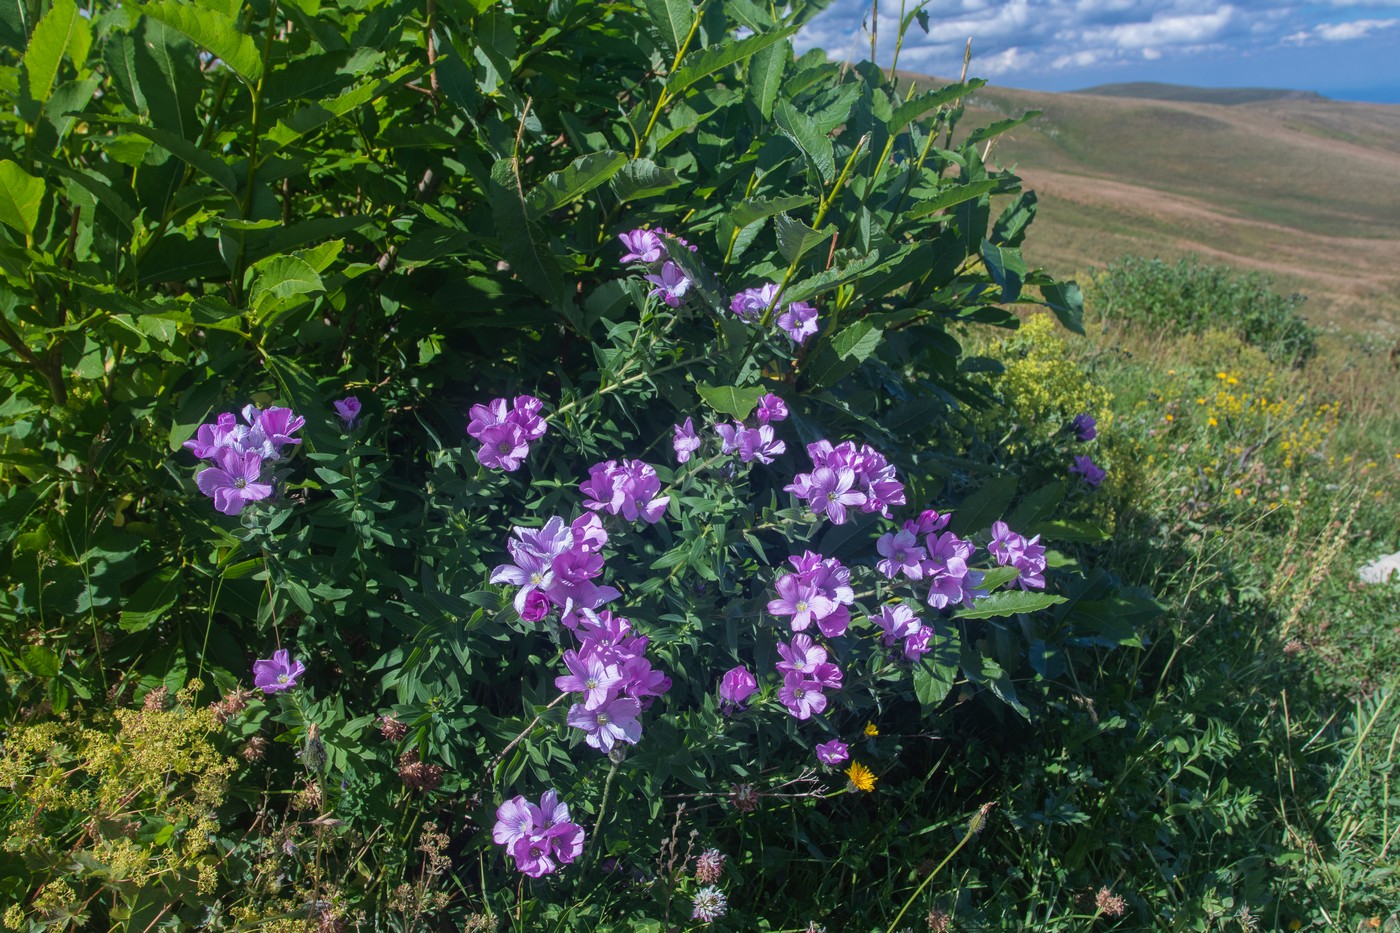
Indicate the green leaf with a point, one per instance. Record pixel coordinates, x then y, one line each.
21 195
703 62
1008 603
755 209
766 76
278 279
796 239
673 17
828 279
524 245
1015 218
984 506
731 400
1007 268
151 601
1037 506
581 176
937 670
951 196
210 165
1070 532
40 660
997 128
62 30
915 107
857 341
1067 302
314 116
799 128
642 178
213 30
994 578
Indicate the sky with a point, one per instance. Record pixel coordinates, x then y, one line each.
1345 49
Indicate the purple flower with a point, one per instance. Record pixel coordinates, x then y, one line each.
558 562
736 686
916 642
831 492
799 322
759 444
1086 467
536 606
506 431
802 697
902 555
847 475
671 285
591 677
234 480
729 436
771 408
1013 550
642 682
803 601
349 411
801 657
503 447
896 622
224 432
928 522
1085 426
539 838
833 752
642 246
628 489
278 673
611 722
750 304
272 428
686 442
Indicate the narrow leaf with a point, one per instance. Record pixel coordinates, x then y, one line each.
1007 268
799 128
951 196
702 62
524 245
766 76
581 176
642 178
1008 603
916 107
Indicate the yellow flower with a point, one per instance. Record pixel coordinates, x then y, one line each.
862 778
871 729
1213 422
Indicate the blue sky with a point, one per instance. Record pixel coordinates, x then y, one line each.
1348 49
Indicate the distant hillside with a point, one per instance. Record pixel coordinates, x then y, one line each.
1303 188
1229 96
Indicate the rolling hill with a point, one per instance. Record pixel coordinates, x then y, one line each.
1298 186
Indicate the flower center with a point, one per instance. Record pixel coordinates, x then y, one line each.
281 678
602 719
503 447
239 483
802 605
591 683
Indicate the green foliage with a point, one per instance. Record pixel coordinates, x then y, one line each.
1194 297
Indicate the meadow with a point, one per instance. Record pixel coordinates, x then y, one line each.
579 466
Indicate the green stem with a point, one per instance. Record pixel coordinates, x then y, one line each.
974 826
665 98
256 127
602 808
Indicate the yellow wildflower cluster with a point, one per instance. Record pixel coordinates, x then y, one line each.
1042 388
123 801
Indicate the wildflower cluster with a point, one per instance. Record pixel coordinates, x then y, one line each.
669 281
617 682
1013 550
241 454
555 566
506 431
942 561
539 837
798 319
847 476
628 488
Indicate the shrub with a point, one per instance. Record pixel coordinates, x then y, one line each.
263 215
1194 297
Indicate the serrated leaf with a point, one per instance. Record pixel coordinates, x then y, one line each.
828 279
755 209
994 578
279 278
642 178
63 30
21 195
997 128
803 132
1010 227
214 31
673 18
210 165
912 109
951 196
734 401
1067 302
857 341
796 239
40 660
1008 603
581 176
703 62
316 115
766 76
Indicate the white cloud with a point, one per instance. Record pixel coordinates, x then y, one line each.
1163 30
1357 29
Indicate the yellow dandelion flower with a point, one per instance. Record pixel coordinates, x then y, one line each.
1222 375
862 778
1239 491
871 729
1213 423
